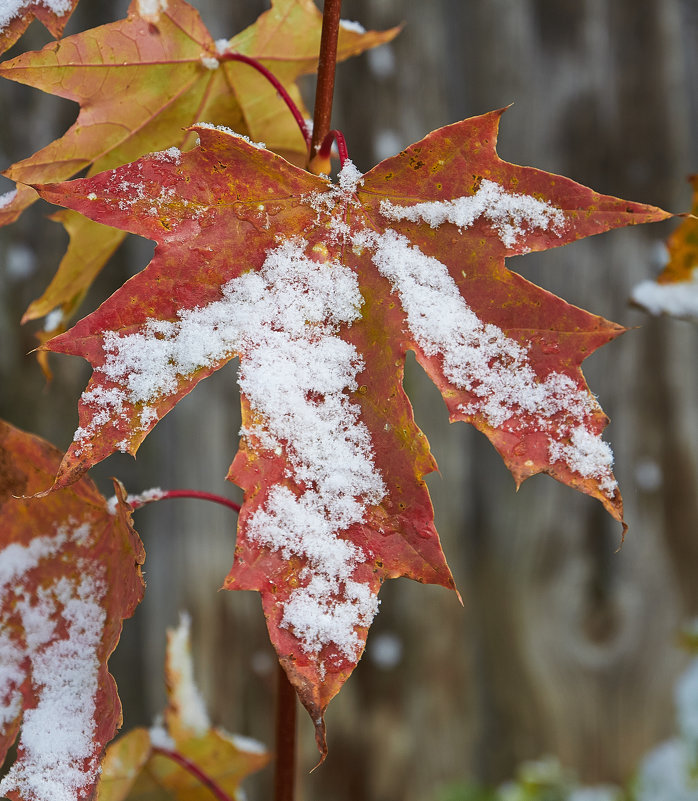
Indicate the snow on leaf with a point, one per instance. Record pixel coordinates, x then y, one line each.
69 574
321 288
675 292
15 16
161 54
132 769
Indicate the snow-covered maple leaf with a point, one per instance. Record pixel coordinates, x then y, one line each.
70 572
321 289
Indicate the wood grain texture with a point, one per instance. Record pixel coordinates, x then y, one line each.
564 646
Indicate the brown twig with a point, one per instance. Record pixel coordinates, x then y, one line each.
325 86
285 768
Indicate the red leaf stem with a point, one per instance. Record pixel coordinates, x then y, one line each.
204 496
274 81
325 150
196 771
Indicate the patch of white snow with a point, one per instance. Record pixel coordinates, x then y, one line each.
151 9
184 693
296 373
225 129
210 62
353 27
479 358
678 299
7 197
510 214
57 734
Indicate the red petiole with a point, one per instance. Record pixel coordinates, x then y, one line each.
325 150
322 146
137 501
274 81
196 771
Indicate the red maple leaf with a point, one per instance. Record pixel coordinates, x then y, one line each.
321 289
69 574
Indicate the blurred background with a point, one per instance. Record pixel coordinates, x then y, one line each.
567 646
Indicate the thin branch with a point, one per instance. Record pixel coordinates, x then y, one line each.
285 766
196 771
325 84
276 83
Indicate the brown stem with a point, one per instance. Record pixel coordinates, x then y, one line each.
285 770
196 771
325 85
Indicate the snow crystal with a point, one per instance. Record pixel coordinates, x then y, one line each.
247 744
147 496
57 735
230 132
509 213
185 694
479 357
679 299
587 454
160 738
150 9
324 203
8 197
354 27
9 9
11 678
210 62
349 177
296 374
172 154
17 559
106 403
222 46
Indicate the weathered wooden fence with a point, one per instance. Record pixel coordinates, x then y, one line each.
566 645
